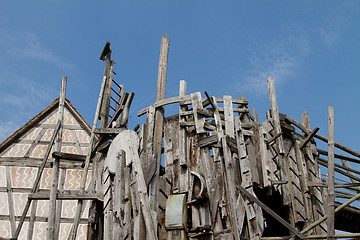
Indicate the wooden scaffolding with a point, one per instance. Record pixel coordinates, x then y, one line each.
212 171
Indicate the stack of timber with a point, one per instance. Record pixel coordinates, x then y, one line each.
210 172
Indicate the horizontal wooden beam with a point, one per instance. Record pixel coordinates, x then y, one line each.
184 100
68 156
108 130
41 219
71 195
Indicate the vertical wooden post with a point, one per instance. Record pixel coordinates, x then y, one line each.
160 94
159 115
56 165
184 175
330 177
104 114
275 113
59 205
10 201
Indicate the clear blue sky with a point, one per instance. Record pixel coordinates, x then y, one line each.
311 48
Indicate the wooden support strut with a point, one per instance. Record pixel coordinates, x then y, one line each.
56 167
271 212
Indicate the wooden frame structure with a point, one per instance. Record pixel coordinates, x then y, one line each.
212 171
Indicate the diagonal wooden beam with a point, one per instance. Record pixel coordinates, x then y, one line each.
271 212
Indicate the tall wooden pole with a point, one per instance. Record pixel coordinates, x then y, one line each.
159 117
330 177
56 165
160 93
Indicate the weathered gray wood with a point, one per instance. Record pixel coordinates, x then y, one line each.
105 105
337 209
184 174
229 116
10 201
199 118
272 213
129 142
229 173
348 168
330 176
108 203
123 119
184 100
304 181
59 204
56 166
309 137
342 157
322 138
32 220
275 113
253 212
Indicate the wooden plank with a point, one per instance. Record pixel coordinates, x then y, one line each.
32 220
199 118
337 209
229 116
105 105
123 119
184 174
347 166
108 130
10 201
229 167
159 121
59 204
56 166
71 195
275 112
304 181
129 142
253 212
68 156
330 177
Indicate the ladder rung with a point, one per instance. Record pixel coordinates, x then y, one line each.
116 83
115 92
112 109
114 100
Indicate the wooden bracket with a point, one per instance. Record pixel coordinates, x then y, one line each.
308 138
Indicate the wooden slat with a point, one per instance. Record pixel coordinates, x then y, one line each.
330 177
10 201
275 113
199 118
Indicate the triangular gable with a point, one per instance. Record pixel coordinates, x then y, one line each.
21 155
31 140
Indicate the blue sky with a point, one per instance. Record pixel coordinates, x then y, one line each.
311 48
